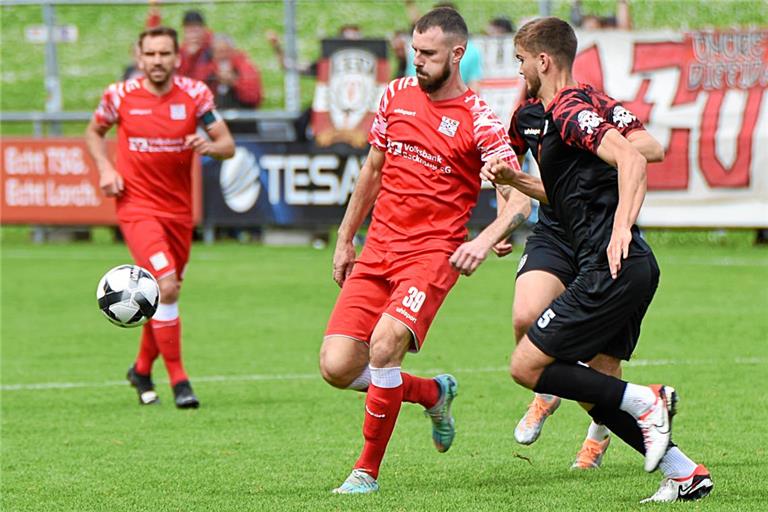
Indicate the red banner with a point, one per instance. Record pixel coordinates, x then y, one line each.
54 181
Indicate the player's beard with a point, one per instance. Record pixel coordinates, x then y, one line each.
431 84
159 79
533 85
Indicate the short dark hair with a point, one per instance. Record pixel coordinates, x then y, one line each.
447 19
161 31
193 18
504 24
549 35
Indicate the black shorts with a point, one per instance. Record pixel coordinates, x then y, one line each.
545 251
597 314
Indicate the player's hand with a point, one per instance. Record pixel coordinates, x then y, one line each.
470 255
498 171
343 261
198 143
503 248
111 182
618 249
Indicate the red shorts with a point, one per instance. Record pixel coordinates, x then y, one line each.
409 288
158 244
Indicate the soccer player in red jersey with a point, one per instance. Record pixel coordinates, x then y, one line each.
429 140
157 117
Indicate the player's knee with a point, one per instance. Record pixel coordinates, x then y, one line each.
169 290
334 372
522 373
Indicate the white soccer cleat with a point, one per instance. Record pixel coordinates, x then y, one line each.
693 487
656 425
530 425
358 482
591 454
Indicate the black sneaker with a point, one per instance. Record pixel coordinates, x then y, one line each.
144 387
185 397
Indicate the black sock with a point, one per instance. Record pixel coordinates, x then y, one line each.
581 383
620 423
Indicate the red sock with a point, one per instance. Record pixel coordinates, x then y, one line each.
382 405
419 390
168 338
148 351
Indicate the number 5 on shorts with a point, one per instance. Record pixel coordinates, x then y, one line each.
415 299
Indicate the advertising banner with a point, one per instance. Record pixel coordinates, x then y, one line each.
53 181
290 184
704 96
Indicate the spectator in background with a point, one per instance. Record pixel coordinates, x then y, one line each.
500 26
622 20
399 43
471 65
196 52
349 31
234 80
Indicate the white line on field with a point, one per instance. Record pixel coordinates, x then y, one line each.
316 376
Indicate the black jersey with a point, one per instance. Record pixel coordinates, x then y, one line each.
581 188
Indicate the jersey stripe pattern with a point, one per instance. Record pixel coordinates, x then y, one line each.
151 154
430 179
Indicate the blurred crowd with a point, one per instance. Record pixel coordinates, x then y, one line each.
235 80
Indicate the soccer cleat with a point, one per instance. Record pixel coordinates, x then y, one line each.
144 387
529 427
358 482
184 396
591 454
443 425
688 488
656 425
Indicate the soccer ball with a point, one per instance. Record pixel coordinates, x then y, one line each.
128 295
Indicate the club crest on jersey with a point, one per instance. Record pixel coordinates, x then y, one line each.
178 112
589 120
622 117
448 126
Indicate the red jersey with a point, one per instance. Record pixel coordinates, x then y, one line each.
431 174
151 156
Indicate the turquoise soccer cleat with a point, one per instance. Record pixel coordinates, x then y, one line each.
358 482
443 429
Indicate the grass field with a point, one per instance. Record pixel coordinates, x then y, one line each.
271 436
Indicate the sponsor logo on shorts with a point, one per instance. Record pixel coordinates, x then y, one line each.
523 259
545 318
406 314
159 261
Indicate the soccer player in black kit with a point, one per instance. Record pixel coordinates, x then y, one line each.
594 182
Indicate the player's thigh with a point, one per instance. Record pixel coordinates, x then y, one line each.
149 245
595 313
342 359
390 341
179 237
421 282
607 364
534 290
360 303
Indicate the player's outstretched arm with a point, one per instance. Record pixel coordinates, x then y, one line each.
471 254
361 202
497 171
647 145
632 177
110 181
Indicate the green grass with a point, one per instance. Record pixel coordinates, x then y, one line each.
272 436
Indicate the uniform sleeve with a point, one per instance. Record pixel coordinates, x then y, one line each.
107 113
203 100
580 123
516 139
490 135
377 137
624 120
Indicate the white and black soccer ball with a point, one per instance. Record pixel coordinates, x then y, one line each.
128 295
